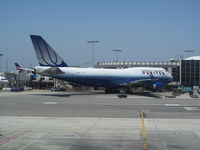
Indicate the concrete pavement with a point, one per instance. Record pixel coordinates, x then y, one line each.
95 121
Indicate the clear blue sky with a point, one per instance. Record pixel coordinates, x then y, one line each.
146 30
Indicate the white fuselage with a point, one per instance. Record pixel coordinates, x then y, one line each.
108 77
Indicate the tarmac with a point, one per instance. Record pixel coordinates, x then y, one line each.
96 121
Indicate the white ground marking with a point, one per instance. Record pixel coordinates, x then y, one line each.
191 108
37 139
50 102
172 104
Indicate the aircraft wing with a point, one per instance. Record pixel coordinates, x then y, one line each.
137 82
26 69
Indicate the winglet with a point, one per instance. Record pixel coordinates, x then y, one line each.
45 54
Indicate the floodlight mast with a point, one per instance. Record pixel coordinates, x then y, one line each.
93 42
117 51
1 61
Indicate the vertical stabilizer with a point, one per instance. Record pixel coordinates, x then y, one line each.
18 67
45 54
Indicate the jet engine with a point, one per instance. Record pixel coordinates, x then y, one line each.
158 85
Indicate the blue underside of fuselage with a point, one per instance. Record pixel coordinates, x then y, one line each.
106 81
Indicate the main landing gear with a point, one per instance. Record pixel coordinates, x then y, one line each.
122 93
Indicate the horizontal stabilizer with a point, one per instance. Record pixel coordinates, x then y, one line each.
52 71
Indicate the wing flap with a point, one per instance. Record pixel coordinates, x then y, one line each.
137 82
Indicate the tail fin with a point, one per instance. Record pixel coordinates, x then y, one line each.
18 67
45 54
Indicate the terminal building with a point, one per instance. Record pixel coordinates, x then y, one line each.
190 71
185 72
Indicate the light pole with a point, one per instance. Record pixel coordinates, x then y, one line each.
1 61
87 64
93 42
180 57
6 64
180 77
117 51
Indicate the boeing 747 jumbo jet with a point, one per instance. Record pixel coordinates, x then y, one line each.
52 65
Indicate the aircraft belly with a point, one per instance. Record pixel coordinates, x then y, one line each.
108 81
98 81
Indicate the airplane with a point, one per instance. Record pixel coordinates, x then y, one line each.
19 68
52 65
26 70
3 81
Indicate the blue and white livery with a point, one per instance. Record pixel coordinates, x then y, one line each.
45 54
52 65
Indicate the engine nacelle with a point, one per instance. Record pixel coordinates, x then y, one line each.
158 85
